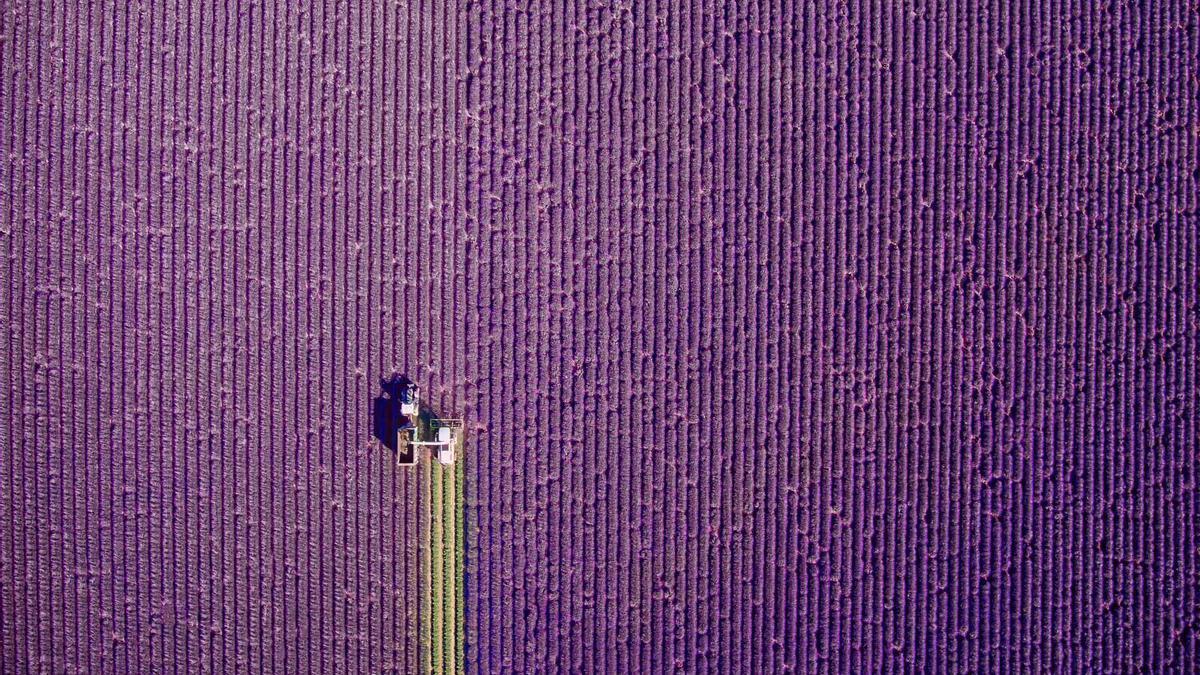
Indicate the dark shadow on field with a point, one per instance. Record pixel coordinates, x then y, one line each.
386 415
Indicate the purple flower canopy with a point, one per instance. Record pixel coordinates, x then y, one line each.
786 336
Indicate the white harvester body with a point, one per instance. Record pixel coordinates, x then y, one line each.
446 440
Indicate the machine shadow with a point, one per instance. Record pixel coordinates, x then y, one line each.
385 416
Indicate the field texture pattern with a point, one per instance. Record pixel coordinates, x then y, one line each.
790 336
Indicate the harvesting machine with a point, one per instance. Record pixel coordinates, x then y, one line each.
418 429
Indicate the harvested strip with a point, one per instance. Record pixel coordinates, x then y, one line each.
442 621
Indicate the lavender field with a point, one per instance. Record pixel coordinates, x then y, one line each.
788 336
